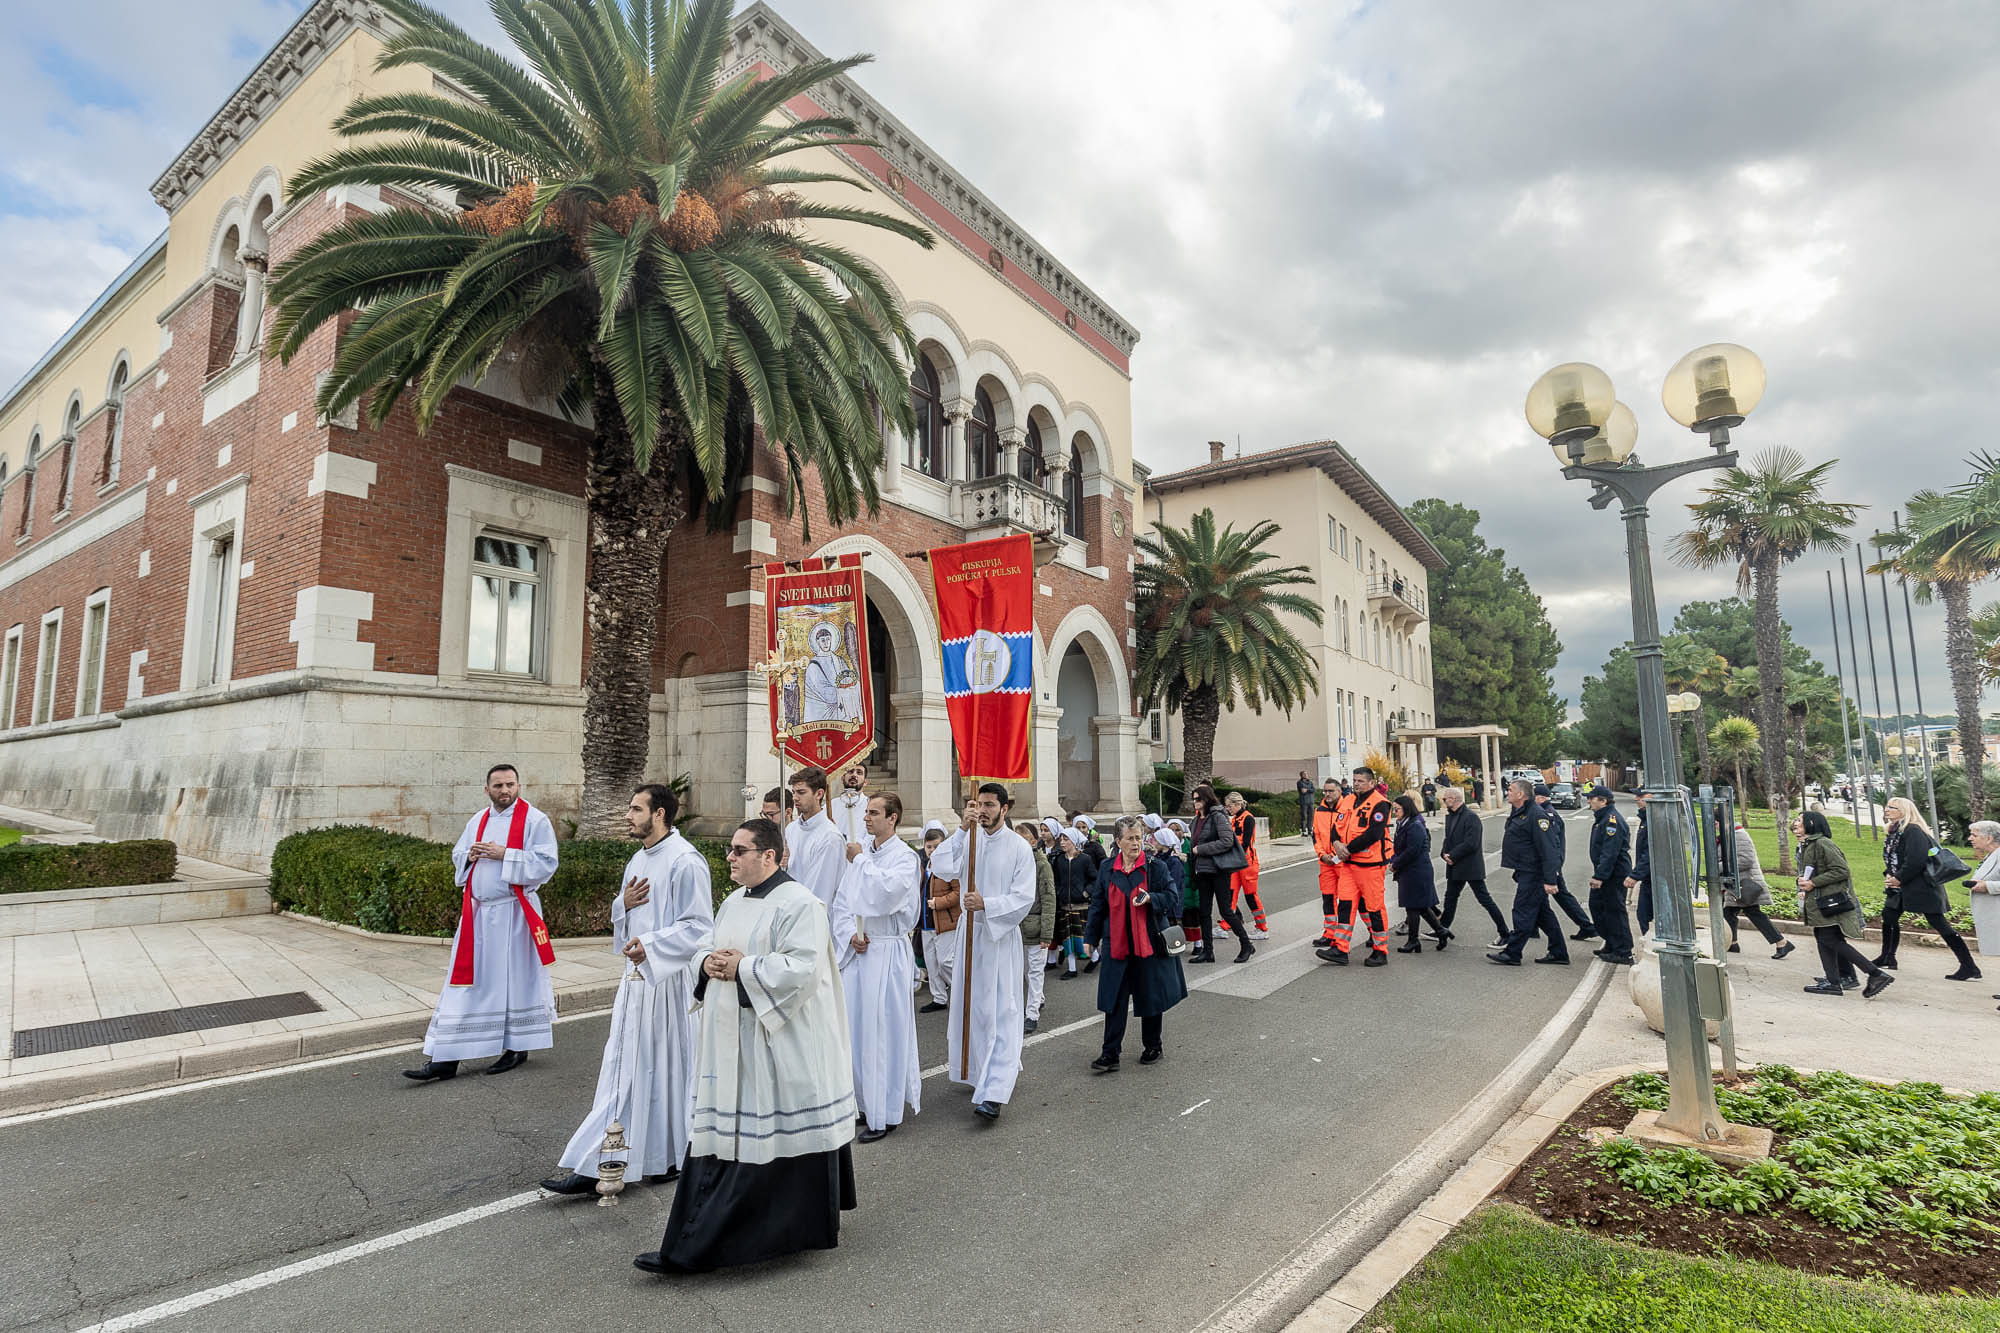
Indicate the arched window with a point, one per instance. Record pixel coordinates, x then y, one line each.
1032 466
1073 494
28 483
982 437
1377 659
114 434
926 446
72 422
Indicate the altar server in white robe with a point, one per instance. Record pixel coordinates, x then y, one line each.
497 999
815 852
872 917
660 920
770 1165
988 980
849 810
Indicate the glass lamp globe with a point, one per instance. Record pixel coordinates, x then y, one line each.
1612 443
1569 402
1716 385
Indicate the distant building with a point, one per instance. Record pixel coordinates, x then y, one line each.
1371 568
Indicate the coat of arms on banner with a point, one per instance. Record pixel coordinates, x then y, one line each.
822 707
986 630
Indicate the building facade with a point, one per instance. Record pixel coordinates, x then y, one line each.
226 618
1370 567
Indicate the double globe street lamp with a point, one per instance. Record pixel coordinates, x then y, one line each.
1573 407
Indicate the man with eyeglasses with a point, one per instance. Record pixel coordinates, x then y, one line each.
770 1165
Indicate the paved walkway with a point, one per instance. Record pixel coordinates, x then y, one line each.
56 830
371 992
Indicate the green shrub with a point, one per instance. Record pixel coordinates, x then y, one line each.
1836 1208
1644 1092
1960 1191
43 868
1734 1193
1771 1176
400 885
1282 811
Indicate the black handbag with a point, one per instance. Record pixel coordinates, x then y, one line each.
1234 859
1834 902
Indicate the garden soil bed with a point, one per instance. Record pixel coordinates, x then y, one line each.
1563 1182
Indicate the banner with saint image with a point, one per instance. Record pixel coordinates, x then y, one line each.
986 631
816 632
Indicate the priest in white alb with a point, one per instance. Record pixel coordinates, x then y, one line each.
770 1165
849 810
660 920
872 917
498 999
815 851
988 999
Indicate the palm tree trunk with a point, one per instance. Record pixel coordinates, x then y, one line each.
1771 698
631 517
1201 711
1740 792
1961 656
1703 758
1800 736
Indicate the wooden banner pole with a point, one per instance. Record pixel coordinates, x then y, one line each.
964 982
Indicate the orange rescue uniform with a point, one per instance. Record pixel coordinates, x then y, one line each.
1243 884
1362 825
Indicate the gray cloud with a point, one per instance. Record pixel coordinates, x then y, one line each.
1373 222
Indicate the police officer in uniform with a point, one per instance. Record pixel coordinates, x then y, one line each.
1610 863
1641 877
1565 901
1531 848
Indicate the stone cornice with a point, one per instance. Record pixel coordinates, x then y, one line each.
762 37
297 53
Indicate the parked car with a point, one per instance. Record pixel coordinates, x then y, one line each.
1562 796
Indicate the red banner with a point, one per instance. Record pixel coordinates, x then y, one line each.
816 632
986 630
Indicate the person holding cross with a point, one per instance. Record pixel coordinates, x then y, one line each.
996 874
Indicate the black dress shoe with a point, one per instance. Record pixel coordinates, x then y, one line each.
1151 1055
667 1177
1821 987
508 1060
1243 954
932 1008
1964 974
1620 959
1201 956
1069 976
1090 966
1504 959
1414 946
988 1111
1104 1064
1876 985
1500 943
1028 1026
1326 953
1377 958
433 1069
1733 948
1585 933
570 1184
652 1261
1850 983
1552 958
875 1135
1784 949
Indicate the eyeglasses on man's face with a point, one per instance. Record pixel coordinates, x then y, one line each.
736 849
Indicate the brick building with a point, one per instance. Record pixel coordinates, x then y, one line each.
223 618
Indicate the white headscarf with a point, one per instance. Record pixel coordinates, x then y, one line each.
1069 835
1054 826
1167 840
1152 822
1089 824
933 826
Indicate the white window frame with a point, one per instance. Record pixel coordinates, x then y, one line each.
10 653
208 634
87 689
48 652
478 501
538 629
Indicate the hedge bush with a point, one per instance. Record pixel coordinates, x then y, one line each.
41 868
400 885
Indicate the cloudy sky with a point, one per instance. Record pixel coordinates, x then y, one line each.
1376 222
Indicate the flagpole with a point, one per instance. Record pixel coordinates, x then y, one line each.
1840 673
1895 678
1867 763
1917 682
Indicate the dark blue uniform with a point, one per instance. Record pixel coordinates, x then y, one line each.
1531 847
1610 863
1564 901
1642 871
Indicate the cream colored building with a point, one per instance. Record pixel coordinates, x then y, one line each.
1370 565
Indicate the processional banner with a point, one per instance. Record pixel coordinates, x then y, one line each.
816 632
986 631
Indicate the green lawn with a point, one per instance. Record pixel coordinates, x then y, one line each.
1505 1270
1864 858
9 836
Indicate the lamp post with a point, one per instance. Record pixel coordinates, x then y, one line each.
1573 407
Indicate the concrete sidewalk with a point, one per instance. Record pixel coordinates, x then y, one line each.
372 992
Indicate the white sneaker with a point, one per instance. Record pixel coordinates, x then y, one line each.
1257 934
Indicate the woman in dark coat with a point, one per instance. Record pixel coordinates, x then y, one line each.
1416 882
1133 903
1074 878
1214 839
1828 905
1910 884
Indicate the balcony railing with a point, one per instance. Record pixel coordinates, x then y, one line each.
1010 503
1396 597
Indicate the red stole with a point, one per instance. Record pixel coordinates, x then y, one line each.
461 958
1130 937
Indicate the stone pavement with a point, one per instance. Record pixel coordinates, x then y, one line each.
372 992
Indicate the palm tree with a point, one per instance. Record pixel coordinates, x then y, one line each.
1807 695
1737 739
1760 519
1692 667
1211 628
1953 542
625 235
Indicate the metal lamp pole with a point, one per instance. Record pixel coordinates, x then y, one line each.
1691 1108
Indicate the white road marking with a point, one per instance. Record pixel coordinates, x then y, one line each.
181 1305
1198 1105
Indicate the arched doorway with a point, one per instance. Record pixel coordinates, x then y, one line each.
1087 753
1076 751
882 685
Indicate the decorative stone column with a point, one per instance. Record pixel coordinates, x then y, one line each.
250 313
732 747
923 756
1046 790
892 459
1011 440
1117 740
1058 472
959 466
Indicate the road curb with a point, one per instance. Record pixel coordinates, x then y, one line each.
1324 1263
87 1083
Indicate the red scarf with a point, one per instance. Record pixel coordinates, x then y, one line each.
1130 937
461 958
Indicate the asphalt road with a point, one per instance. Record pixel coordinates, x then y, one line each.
1144 1198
